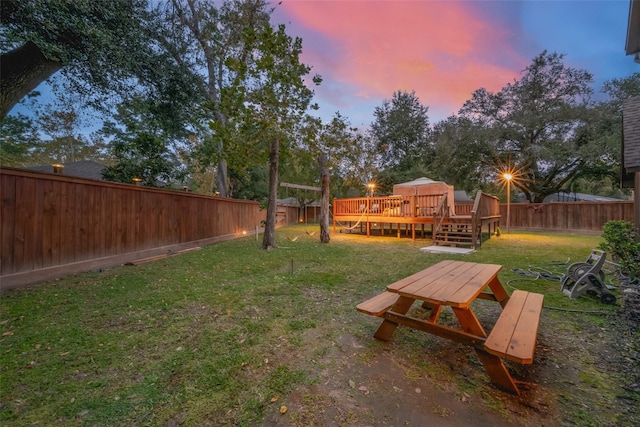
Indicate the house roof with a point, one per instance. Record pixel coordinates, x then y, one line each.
631 133
81 169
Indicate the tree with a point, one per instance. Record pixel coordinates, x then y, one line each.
328 144
141 147
277 99
458 153
538 125
401 130
218 43
18 139
60 125
96 44
144 156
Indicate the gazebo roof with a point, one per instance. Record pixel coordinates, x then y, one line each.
419 181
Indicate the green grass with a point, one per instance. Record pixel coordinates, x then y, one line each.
211 336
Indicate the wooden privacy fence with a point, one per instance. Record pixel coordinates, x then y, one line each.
585 217
53 225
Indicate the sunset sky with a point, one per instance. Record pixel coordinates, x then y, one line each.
365 50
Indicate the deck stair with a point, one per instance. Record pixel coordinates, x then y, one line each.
456 234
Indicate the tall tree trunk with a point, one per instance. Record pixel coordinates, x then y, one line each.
324 203
221 178
21 71
269 239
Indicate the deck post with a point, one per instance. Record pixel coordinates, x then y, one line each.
368 211
413 211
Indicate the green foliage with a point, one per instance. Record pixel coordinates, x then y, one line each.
401 131
251 185
621 241
146 157
17 141
100 45
542 123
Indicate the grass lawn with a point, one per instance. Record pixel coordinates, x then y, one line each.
227 334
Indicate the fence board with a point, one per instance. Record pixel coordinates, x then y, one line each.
50 222
589 217
7 230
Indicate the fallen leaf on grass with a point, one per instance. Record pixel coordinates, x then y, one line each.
275 399
283 409
352 384
8 333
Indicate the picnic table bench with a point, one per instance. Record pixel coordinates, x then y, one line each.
457 284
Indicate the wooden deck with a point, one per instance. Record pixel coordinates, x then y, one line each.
459 225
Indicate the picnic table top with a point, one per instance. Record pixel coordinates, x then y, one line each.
452 283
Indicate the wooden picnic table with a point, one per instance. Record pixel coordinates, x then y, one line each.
458 284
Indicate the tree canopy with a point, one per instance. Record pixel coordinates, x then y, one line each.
98 45
401 130
213 89
538 126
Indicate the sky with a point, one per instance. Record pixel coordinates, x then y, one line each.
365 50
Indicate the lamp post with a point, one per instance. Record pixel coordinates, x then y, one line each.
508 177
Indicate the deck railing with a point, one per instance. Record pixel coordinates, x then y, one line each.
485 207
391 206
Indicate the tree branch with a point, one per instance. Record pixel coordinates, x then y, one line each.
21 71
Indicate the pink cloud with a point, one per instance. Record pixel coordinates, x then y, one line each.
442 50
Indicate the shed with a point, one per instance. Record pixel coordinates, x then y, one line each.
425 187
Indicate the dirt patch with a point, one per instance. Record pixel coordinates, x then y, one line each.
589 378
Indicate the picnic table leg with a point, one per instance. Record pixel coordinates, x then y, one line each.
385 330
494 366
499 292
435 311
497 371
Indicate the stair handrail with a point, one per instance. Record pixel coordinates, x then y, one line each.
474 218
484 205
441 212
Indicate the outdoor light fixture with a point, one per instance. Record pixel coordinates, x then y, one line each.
507 176
136 180
57 167
371 186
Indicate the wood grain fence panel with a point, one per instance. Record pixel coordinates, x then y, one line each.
36 238
50 224
129 219
105 223
50 220
572 216
149 212
67 221
116 221
43 226
55 220
7 224
83 211
57 224
24 225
